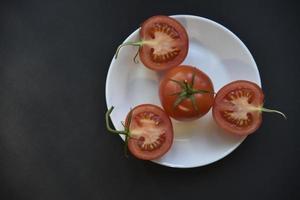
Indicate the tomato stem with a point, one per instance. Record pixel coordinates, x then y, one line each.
109 128
262 109
134 58
138 43
193 99
126 132
187 92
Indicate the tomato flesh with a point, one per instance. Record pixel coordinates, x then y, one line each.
151 132
165 43
237 106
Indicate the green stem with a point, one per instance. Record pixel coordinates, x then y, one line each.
193 99
134 58
272 111
138 43
109 128
126 132
187 91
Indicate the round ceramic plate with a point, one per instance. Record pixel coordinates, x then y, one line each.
213 49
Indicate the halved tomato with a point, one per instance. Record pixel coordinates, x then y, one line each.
238 107
148 131
163 43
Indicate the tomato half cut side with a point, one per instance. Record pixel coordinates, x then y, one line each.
151 132
166 43
163 43
148 131
237 107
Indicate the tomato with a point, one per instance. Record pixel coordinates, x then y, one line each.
186 93
237 107
167 43
148 131
163 43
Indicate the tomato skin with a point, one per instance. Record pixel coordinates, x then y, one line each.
165 124
182 43
220 106
185 111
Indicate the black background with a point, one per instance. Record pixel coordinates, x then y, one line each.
54 57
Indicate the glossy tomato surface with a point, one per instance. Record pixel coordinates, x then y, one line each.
236 107
151 132
165 43
170 90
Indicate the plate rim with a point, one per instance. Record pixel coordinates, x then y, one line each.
226 153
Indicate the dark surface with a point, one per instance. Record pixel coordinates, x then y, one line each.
54 56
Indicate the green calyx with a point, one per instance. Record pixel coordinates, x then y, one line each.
126 126
187 92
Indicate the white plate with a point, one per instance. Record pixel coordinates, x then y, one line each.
213 49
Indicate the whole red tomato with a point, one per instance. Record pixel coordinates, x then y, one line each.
186 93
